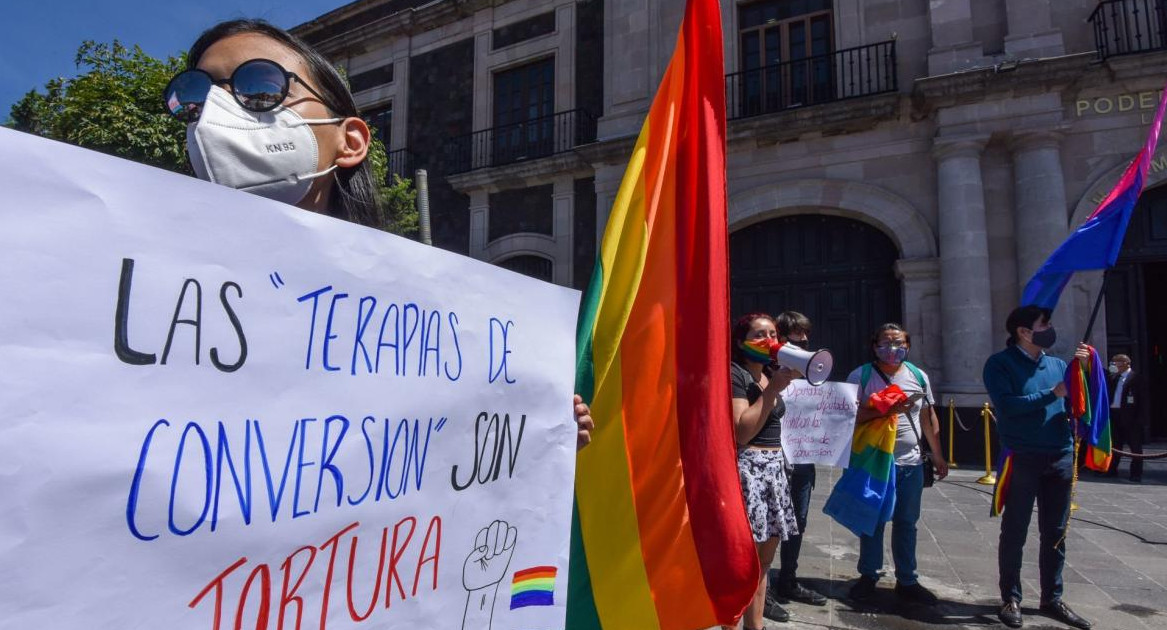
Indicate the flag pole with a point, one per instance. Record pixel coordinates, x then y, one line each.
1097 306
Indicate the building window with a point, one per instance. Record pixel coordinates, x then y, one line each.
524 107
371 78
785 48
530 28
380 122
537 267
521 211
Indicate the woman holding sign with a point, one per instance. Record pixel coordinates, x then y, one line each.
269 115
890 385
757 417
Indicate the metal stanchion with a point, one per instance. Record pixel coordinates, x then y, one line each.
990 478
951 431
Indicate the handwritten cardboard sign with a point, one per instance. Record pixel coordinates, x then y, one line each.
819 422
221 411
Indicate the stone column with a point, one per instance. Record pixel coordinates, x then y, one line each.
1039 199
965 301
921 307
1041 217
608 178
1031 30
628 81
479 228
953 47
563 222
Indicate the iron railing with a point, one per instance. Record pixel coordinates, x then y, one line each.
836 76
1125 27
530 139
401 163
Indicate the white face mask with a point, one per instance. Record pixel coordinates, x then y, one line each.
270 154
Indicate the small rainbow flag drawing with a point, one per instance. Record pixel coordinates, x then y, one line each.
533 587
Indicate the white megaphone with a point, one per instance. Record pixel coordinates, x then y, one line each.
815 365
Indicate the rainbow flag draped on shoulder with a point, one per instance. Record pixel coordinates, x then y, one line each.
660 536
865 494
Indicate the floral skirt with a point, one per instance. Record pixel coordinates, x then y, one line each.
767 494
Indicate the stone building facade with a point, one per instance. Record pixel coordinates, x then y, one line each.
911 160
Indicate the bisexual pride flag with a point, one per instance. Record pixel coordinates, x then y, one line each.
1095 245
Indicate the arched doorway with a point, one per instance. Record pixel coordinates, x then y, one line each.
837 271
1136 304
537 267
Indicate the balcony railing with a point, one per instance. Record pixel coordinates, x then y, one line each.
836 76
401 163
1125 27
535 138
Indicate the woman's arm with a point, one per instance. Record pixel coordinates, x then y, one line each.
749 419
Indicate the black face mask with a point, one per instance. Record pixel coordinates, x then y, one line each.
804 344
1045 338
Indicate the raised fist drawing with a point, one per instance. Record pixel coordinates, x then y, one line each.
488 561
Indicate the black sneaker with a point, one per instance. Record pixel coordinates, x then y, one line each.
863 589
773 610
1060 611
795 592
1010 614
916 593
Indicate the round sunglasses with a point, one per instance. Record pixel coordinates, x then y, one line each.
259 85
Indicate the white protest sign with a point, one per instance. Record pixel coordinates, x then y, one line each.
221 411
819 422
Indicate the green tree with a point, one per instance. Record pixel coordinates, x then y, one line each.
398 199
114 105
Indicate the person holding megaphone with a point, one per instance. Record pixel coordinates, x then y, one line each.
757 405
794 330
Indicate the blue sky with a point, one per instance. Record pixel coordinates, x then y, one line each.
39 38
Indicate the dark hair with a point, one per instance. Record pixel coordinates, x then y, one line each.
741 328
884 328
792 322
355 196
1024 317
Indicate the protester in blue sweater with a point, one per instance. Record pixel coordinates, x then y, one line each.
1028 391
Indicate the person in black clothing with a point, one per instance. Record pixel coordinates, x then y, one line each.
794 328
758 408
1125 421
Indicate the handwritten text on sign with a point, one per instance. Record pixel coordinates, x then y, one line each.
819 423
225 412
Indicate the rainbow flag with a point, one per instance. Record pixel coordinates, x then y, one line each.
1004 477
757 349
533 587
660 536
1096 244
1089 403
865 494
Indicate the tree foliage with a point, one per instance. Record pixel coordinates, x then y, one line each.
113 105
397 195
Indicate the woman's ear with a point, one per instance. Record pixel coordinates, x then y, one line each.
354 142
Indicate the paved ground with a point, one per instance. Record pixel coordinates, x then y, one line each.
1116 572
